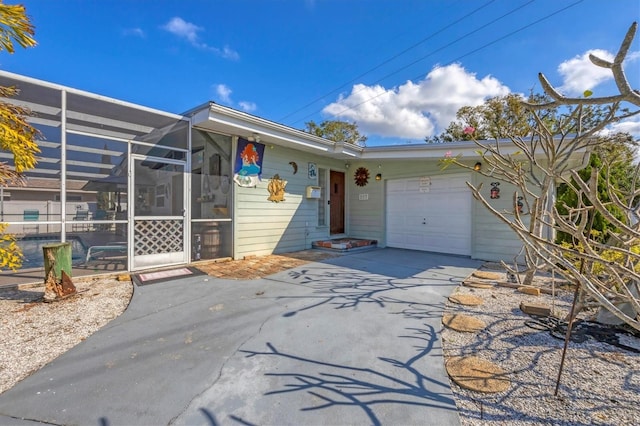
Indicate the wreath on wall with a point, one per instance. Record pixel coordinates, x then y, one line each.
361 176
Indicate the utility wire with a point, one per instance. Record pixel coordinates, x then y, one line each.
386 61
483 26
456 59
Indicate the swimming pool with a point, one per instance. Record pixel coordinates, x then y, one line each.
32 250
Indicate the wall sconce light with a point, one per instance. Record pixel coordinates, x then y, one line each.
379 176
346 165
477 167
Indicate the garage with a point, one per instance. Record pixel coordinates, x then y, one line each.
430 213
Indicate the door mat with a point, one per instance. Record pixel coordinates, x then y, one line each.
155 277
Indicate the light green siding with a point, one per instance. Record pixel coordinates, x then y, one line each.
264 227
490 240
493 239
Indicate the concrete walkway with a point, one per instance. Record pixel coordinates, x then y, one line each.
350 340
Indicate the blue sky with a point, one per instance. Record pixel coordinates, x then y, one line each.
399 68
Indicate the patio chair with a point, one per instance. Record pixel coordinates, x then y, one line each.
80 221
118 248
31 216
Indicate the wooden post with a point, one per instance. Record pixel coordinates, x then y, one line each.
57 271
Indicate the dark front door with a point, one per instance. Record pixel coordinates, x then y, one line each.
336 203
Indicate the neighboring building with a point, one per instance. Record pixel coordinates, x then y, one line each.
148 188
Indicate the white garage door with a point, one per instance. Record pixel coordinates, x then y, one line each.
430 214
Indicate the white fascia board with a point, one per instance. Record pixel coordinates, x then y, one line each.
467 149
348 150
245 125
425 151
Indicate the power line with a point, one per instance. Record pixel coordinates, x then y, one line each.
483 26
386 61
459 57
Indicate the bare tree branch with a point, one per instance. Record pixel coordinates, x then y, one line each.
626 92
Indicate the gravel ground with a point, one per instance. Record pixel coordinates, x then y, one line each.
33 333
600 383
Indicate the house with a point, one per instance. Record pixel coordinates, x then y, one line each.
167 189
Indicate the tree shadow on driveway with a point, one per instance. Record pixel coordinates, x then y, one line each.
378 349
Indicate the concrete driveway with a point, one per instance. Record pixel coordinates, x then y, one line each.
349 340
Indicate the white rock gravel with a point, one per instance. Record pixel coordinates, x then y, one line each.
600 383
33 333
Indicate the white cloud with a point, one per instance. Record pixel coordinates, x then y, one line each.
224 92
183 29
415 110
188 31
580 74
247 106
228 53
137 32
631 126
633 56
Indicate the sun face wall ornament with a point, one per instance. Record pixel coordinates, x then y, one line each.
361 176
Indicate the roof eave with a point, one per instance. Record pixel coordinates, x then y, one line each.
233 122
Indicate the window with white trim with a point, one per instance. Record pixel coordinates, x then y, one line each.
322 202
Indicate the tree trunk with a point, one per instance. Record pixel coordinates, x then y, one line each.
57 271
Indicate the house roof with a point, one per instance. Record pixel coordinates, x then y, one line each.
218 118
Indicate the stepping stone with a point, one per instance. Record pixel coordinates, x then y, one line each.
477 284
535 309
477 374
464 323
485 275
466 299
534 291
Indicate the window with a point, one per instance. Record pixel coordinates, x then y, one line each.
322 202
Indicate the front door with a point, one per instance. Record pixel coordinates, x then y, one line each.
158 223
336 203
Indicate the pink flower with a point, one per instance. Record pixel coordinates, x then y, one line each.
447 154
468 130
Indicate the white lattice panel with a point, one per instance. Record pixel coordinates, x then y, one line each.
158 236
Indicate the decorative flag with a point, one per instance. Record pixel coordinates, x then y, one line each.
248 166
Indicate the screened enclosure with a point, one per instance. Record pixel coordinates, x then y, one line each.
117 180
